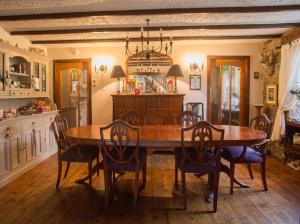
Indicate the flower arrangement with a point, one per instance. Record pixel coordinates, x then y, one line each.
41 106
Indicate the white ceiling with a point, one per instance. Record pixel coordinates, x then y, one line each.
20 7
15 7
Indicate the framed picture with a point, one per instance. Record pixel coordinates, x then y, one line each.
272 94
256 75
195 82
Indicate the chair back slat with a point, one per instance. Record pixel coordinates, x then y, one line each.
205 138
185 119
261 123
59 127
133 118
124 139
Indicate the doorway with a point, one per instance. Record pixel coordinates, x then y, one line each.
228 90
72 90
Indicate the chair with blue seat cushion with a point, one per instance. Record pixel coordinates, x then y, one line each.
248 155
200 154
69 153
121 152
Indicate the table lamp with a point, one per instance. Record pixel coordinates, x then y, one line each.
117 72
175 71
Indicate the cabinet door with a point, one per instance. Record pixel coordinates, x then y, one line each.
28 145
4 162
14 145
39 141
48 139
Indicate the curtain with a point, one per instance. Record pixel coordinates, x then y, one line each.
289 74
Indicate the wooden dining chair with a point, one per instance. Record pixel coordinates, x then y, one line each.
201 156
248 155
185 119
71 152
122 155
133 118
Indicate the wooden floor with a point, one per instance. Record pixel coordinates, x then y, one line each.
32 198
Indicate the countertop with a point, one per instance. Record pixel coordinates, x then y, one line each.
21 117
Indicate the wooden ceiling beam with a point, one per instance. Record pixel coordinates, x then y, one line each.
272 36
145 12
156 28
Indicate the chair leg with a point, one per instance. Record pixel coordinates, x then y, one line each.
107 187
67 169
90 169
136 187
144 176
263 175
250 170
232 169
215 180
286 155
176 175
59 174
183 189
98 160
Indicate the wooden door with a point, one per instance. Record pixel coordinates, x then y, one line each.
72 90
228 90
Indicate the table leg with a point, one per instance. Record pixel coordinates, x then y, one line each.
96 168
226 170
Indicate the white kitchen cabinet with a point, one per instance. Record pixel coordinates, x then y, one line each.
4 162
29 146
14 145
25 142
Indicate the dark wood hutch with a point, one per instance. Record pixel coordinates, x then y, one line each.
158 109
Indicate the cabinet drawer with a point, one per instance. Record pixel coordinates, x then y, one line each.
29 124
13 93
48 119
9 131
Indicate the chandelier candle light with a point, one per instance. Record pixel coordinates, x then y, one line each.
144 50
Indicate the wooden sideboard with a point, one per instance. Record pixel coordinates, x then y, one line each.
158 109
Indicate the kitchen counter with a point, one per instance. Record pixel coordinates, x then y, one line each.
21 117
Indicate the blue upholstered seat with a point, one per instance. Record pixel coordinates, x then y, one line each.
130 166
232 153
87 153
193 168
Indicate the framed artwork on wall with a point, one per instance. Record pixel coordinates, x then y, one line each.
195 82
271 94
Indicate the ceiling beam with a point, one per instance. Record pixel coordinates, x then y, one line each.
272 36
145 12
156 28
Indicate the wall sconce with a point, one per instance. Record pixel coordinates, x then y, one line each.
100 68
195 67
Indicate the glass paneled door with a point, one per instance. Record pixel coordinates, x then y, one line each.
228 91
72 91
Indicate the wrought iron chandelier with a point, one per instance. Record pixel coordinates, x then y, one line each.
143 48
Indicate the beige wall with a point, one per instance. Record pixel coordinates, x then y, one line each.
101 99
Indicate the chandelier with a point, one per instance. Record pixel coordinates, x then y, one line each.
143 48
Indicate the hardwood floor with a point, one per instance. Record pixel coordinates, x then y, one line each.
32 198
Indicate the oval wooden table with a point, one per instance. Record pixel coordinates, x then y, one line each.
167 136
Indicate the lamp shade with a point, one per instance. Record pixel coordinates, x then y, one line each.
175 71
117 72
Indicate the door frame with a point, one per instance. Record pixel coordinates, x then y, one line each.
89 78
247 83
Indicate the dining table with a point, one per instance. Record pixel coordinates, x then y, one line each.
166 137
